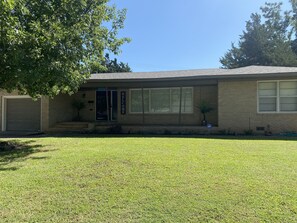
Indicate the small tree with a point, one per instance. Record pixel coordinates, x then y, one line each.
204 108
78 105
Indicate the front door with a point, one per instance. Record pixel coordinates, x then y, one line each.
106 105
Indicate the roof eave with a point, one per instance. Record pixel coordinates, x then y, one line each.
200 77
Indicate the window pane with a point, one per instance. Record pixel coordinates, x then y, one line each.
175 100
288 104
146 97
267 89
267 104
160 100
288 88
136 100
187 100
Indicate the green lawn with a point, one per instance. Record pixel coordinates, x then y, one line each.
149 180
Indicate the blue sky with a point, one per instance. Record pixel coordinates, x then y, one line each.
182 34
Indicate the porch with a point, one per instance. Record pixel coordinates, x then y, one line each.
170 109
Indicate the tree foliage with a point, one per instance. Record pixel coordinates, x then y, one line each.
50 46
111 66
268 39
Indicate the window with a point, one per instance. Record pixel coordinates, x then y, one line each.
161 100
288 96
277 96
187 100
267 92
136 100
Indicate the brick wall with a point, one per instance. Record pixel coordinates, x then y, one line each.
238 109
61 110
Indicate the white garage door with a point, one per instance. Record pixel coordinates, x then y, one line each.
22 114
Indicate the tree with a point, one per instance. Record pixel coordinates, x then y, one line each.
50 46
111 66
294 23
267 40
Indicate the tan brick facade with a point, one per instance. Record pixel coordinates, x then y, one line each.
238 110
235 104
61 110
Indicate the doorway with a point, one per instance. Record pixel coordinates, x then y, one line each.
106 105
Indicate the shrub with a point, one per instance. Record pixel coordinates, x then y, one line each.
248 132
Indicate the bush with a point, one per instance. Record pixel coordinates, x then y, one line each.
115 129
226 132
248 132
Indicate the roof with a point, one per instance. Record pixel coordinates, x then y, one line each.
249 71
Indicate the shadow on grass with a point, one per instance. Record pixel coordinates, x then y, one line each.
187 136
15 151
152 135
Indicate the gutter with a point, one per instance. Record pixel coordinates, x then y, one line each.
200 77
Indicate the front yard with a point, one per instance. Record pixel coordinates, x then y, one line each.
148 180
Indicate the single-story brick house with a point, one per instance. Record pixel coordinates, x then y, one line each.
258 98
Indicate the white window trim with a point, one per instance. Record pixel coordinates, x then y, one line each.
160 113
4 109
277 97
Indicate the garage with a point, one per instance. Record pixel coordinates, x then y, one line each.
22 114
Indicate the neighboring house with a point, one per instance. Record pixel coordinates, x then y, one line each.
258 98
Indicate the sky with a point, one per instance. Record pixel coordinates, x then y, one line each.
182 34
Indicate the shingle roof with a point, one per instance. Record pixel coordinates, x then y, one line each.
262 70
202 73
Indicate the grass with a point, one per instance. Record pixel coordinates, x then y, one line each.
148 180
